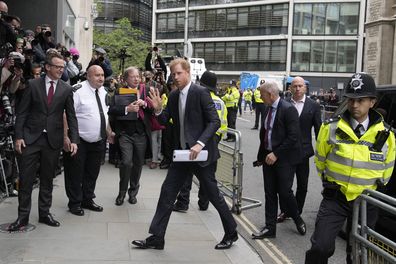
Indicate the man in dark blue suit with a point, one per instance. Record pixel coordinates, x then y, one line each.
195 123
279 152
309 116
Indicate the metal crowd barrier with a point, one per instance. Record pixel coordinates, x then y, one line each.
230 173
327 111
368 246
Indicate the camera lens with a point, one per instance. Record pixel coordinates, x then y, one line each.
47 33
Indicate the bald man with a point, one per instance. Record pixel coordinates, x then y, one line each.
309 116
82 170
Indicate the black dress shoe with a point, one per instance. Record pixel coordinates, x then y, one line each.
282 217
177 207
203 206
132 200
227 241
301 227
164 165
153 242
92 206
254 128
48 220
77 211
120 199
18 225
264 233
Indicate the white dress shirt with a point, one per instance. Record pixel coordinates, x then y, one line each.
355 123
87 111
48 84
299 104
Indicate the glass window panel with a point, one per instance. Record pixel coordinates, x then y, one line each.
199 50
265 51
317 51
220 52
349 18
318 19
209 52
231 18
230 52
210 20
241 52
301 55
221 17
180 21
253 51
191 21
330 57
200 21
302 19
332 19
161 22
254 16
172 21
243 17
346 56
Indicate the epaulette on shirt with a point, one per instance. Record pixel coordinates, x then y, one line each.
76 87
387 126
332 120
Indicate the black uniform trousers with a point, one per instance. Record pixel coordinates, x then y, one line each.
333 211
132 149
259 108
81 172
302 175
176 177
39 152
278 180
232 113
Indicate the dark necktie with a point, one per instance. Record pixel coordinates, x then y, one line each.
102 117
357 130
268 127
50 93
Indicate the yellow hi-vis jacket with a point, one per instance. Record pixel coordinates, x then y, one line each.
257 96
231 98
247 95
341 157
222 112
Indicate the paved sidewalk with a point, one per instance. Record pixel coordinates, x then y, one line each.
105 237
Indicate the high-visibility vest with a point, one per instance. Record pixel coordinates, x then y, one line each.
341 157
247 95
257 97
222 112
231 98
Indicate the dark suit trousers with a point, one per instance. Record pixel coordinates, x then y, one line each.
39 151
176 177
132 149
302 175
278 180
232 113
81 172
259 111
183 198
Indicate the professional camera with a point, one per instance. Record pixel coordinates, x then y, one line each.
5 50
18 58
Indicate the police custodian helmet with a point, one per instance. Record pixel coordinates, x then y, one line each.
209 80
361 85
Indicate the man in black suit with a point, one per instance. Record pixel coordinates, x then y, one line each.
309 116
39 138
195 123
279 152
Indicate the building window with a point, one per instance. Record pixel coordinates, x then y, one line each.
326 19
324 56
268 55
226 22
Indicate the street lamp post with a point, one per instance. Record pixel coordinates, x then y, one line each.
185 50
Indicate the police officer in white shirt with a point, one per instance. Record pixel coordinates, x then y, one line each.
82 169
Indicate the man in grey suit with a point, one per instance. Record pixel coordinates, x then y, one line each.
195 124
309 116
39 138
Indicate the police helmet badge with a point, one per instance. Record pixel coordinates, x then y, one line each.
356 82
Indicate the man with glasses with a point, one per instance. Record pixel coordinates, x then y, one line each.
39 138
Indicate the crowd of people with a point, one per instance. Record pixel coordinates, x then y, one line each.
61 108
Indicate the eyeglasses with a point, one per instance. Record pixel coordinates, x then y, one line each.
57 67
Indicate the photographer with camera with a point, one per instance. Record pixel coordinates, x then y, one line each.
98 58
7 35
42 42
